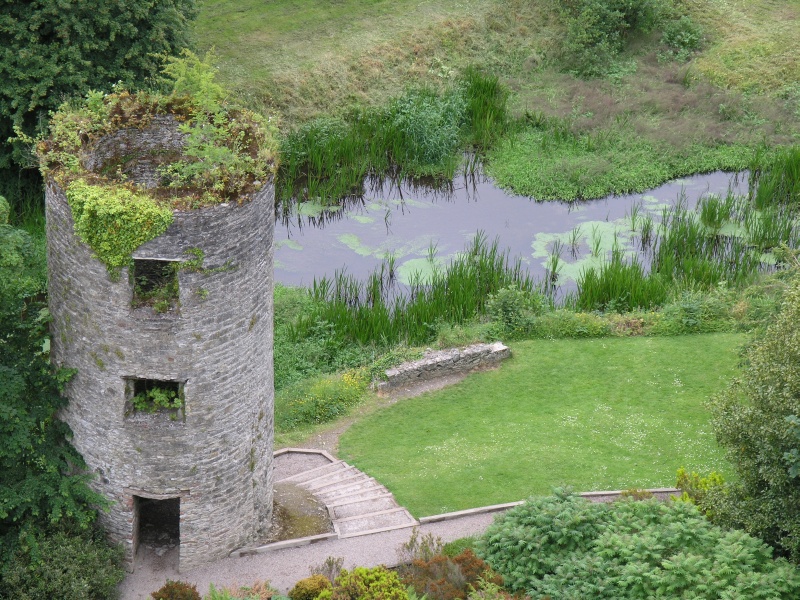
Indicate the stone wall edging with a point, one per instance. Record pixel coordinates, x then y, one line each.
445 362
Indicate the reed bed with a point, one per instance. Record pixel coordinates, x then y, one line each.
422 133
376 311
728 240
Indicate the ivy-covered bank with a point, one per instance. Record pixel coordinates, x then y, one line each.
123 188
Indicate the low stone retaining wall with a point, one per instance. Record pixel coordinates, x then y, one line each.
445 362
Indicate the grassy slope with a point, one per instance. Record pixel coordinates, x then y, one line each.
304 59
592 414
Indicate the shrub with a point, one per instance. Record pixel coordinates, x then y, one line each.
572 549
682 37
319 399
569 324
489 591
44 485
456 547
259 590
444 578
597 31
750 422
64 566
695 312
511 309
176 590
376 583
310 588
696 489
329 569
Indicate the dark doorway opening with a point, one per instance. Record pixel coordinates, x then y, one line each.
157 529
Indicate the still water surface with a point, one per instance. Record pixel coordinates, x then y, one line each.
407 220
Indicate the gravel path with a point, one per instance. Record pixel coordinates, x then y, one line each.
282 568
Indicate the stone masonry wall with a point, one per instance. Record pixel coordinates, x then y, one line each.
218 342
446 362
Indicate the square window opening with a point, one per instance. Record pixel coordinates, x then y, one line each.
155 284
153 396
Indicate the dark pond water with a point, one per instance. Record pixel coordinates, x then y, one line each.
407 220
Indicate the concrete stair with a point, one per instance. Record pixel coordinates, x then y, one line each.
356 503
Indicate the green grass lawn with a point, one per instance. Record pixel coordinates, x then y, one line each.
592 414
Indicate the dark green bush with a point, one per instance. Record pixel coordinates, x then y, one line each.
310 588
511 309
176 590
43 484
64 566
571 549
682 37
597 31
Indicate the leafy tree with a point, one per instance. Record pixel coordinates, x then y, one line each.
53 50
755 420
39 485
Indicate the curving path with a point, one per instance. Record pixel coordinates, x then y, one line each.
369 530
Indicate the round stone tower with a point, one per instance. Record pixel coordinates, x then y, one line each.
172 402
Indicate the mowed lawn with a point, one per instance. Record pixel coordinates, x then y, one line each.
591 414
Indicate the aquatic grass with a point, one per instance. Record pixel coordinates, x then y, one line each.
635 215
714 212
574 239
376 312
775 178
596 241
421 133
488 118
619 285
646 232
689 251
547 160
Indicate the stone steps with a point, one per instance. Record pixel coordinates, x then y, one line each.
349 491
385 520
356 503
365 506
311 474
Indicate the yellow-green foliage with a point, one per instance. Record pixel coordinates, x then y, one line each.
229 152
755 44
310 588
320 399
377 583
114 221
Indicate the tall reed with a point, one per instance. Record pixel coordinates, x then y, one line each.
420 133
689 249
376 311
